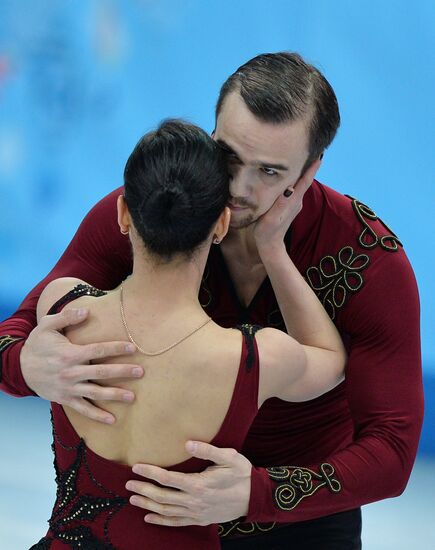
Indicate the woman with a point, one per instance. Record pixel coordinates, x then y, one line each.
201 381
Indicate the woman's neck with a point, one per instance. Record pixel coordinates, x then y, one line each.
165 288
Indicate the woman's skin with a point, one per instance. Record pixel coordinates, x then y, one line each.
185 392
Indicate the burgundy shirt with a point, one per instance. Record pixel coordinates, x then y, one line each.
351 446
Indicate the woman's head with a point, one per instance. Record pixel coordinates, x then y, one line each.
176 188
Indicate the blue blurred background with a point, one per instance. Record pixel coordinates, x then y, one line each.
81 82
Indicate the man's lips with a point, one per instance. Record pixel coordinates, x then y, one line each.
236 207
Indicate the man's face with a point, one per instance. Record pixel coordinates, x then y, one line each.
264 159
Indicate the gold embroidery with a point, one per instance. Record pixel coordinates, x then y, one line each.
334 278
244 528
299 483
7 340
368 237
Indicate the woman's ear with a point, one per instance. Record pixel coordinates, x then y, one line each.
222 225
123 215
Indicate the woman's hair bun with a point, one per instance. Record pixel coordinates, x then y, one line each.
176 186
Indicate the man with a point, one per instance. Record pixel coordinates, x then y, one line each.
314 463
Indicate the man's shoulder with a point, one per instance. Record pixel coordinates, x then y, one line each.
345 246
347 220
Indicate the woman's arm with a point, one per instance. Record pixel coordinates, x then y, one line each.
310 360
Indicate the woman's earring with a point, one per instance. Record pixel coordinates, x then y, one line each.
216 241
124 232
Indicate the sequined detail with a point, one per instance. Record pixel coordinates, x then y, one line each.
78 291
248 332
296 483
369 238
335 277
73 513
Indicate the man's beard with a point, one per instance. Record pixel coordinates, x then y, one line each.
248 220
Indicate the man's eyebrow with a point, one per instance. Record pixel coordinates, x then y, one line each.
224 145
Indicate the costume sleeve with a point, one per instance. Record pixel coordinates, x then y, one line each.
98 254
384 389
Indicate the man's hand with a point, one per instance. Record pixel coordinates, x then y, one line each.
218 494
271 227
59 371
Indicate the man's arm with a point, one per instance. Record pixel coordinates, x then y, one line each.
38 364
384 387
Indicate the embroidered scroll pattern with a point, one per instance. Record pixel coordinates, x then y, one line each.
369 238
248 528
296 483
5 341
336 277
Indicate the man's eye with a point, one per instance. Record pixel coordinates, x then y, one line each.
231 157
269 171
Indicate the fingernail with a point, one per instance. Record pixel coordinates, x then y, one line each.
109 420
128 397
81 312
129 486
288 193
130 348
137 371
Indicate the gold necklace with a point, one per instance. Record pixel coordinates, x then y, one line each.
160 352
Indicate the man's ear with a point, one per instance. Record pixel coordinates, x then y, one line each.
124 220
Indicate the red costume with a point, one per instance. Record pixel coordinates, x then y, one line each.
357 443
92 509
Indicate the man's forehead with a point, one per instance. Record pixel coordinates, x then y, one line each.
245 133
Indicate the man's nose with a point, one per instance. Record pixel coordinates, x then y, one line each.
240 183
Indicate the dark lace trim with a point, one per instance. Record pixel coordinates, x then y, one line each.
78 291
248 332
70 507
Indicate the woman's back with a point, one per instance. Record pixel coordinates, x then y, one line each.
184 394
207 389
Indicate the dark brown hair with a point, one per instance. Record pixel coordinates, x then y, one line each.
282 87
176 185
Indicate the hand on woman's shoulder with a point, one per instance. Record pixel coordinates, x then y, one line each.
53 292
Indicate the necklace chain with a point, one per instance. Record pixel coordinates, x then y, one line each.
154 353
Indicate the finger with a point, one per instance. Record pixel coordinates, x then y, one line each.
176 480
104 371
103 393
307 178
158 494
172 521
222 457
89 410
65 318
161 509
90 352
